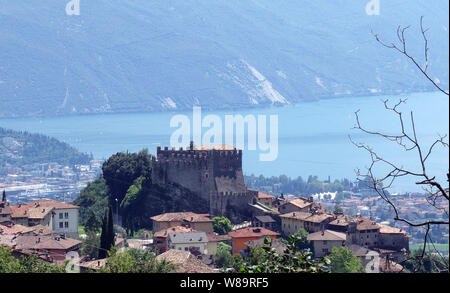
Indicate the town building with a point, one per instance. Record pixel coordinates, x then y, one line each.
241 236
198 222
60 217
324 241
266 222
265 198
188 241
292 222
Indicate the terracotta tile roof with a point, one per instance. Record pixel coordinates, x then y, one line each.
45 242
39 209
15 229
301 202
341 220
265 195
327 235
390 230
5 209
19 211
184 261
53 203
252 232
94 264
212 237
182 217
177 229
308 217
366 224
38 212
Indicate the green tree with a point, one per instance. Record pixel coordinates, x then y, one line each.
429 263
89 247
121 169
107 236
292 260
4 196
343 261
222 225
302 241
223 257
25 264
135 261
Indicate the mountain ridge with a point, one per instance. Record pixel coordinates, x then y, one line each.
123 56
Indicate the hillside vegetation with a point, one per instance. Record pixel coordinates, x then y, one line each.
21 148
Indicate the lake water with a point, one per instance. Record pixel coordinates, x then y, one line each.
313 137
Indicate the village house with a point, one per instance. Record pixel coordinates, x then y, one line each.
50 248
299 204
393 238
188 241
339 223
60 217
265 198
266 222
324 241
198 222
160 237
364 232
241 236
291 223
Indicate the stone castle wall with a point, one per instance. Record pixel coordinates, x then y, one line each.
215 175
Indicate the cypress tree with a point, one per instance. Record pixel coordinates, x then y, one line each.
103 237
4 196
111 234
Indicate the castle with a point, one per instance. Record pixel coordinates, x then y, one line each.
213 172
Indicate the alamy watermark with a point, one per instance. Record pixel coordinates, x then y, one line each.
233 129
373 7
373 265
73 7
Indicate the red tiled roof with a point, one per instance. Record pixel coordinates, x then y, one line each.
177 229
327 235
265 195
182 217
252 232
307 217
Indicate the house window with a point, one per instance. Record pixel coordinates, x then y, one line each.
66 224
66 215
60 215
186 249
61 225
324 242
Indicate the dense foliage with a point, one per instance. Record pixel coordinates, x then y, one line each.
343 261
25 264
93 202
267 259
21 148
122 169
135 261
430 263
222 225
